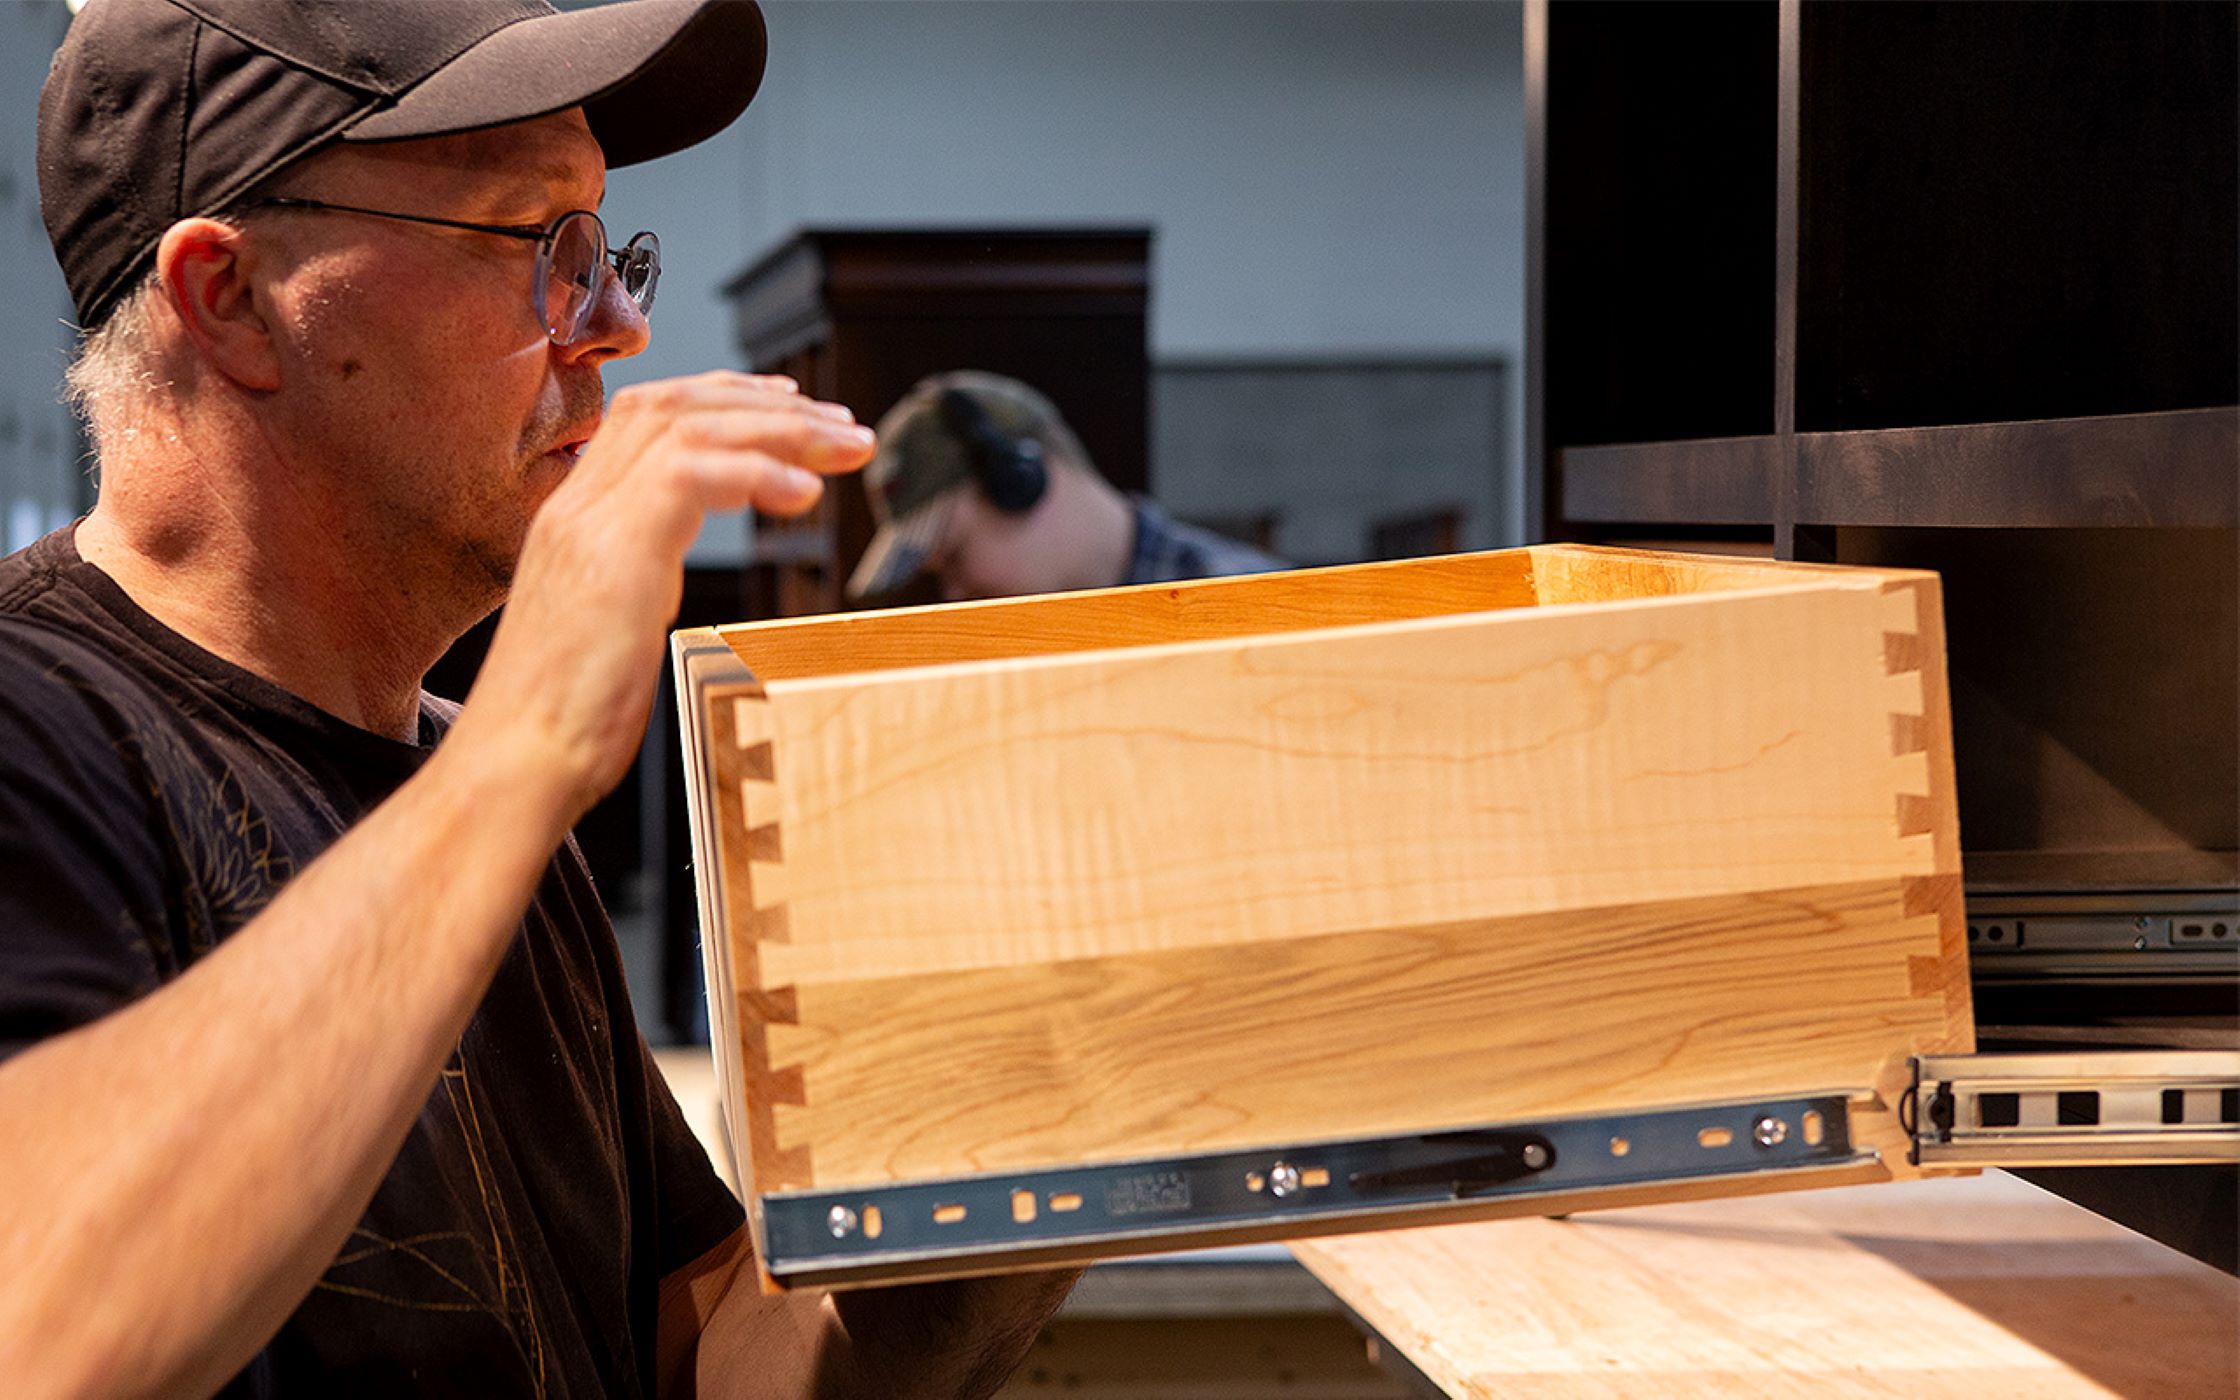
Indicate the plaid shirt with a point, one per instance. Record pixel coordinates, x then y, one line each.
1168 551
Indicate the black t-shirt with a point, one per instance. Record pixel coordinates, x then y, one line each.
154 798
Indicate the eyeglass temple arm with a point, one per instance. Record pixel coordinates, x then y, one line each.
290 202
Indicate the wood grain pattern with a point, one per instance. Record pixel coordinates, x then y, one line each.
857 644
1954 1288
1360 1034
1577 573
1286 787
1189 868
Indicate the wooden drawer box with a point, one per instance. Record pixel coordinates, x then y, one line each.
1164 882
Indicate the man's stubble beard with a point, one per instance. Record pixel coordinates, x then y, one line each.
491 561
494 562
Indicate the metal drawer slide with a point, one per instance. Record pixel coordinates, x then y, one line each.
927 1229
2104 1108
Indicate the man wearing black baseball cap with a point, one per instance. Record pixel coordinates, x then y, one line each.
314 1055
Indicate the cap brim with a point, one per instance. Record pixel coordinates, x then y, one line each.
652 76
898 552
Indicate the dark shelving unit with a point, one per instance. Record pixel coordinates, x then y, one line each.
1946 285
1884 264
2169 470
1949 285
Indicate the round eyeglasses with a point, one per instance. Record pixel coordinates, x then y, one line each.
570 252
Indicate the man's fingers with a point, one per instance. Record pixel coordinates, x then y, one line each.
738 378
785 490
731 480
663 399
817 441
725 440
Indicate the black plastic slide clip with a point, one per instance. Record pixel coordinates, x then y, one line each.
1503 1157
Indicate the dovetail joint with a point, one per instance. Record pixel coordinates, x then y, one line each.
764 843
1901 652
790 1167
771 925
773 1006
785 1085
1931 894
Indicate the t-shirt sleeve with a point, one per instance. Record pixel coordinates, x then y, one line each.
81 873
697 1211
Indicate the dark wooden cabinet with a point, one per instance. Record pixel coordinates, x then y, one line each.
858 316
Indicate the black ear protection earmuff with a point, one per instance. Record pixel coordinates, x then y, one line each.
1011 471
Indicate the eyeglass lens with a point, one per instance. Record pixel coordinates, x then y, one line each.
572 276
641 269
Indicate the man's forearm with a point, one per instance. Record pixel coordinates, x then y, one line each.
178 1174
925 1341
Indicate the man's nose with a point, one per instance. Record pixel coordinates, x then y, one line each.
615 329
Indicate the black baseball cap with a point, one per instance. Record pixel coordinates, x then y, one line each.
160 110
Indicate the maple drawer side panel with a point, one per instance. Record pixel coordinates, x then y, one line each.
1596 853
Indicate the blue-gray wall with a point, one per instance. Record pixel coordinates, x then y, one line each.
1329 181
42 483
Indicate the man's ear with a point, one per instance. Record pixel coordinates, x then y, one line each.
205 267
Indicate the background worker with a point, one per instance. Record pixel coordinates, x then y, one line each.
979 481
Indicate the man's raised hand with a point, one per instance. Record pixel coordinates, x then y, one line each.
570 675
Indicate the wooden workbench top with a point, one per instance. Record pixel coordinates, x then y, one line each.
1981 1288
